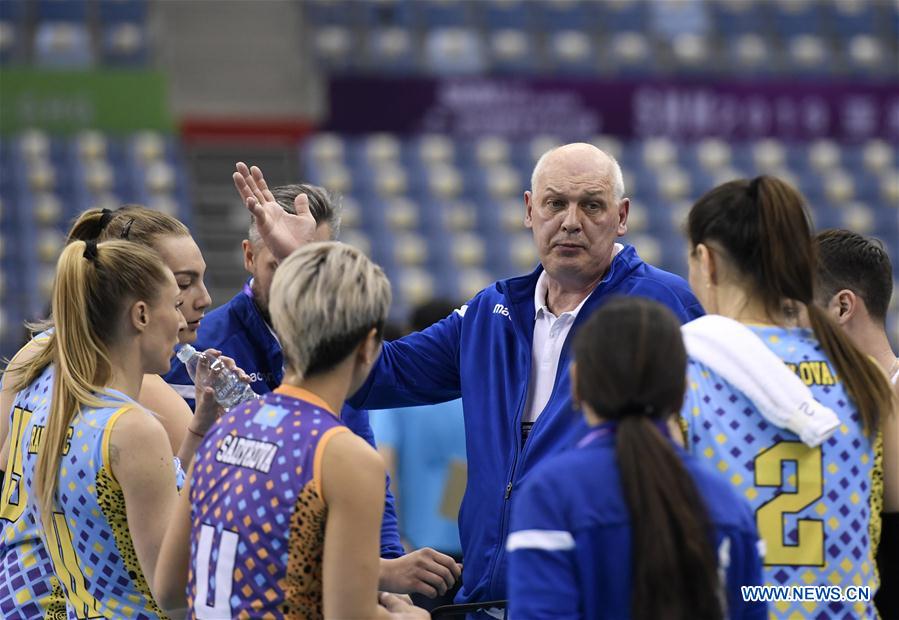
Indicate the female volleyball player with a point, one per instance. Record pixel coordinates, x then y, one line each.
627 525
91 467
172 240
282 515
817 509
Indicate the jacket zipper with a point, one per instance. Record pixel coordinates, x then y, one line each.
520 451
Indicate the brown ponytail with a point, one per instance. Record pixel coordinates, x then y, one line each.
631 368
764 229
95 283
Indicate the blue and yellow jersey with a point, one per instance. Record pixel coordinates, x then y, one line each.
28 588
88 539
817 509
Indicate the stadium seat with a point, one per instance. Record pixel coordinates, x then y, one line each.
808 54
557 15
9 41
47 209
467 250
506 14
454 51
852 17
131 11
402 214
824 155
61 10
415 286
658 153
62 44
124 44
512 51
382 148
410 249
436 149
436 14
692 53
491 150
334 47
877 156
750 53
444 181
326 148
571 52
865 53
390 50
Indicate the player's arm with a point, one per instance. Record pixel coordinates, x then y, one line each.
542 578
7 393
174 414
172 567
141 460
890 428
351 484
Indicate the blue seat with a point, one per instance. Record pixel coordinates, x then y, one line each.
134 11
731 19
62 44
571 52
851 18
454 51
512 51
791 18
622 15
392 50
503 14
61 10
322 13
554 15
433 14
124 44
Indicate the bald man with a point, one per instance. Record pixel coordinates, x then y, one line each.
506 351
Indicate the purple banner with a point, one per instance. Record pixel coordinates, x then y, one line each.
470 107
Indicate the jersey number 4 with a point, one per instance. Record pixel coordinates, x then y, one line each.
771 516
14 496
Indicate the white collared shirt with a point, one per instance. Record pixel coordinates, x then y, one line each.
550 333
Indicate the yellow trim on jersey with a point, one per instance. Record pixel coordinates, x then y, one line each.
303 394
319 455
107 435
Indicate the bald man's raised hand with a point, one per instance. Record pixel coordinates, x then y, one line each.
281 231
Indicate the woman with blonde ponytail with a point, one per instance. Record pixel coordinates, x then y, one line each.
87 461
752 259
627 525
172 240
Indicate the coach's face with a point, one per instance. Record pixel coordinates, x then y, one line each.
573 214
259 261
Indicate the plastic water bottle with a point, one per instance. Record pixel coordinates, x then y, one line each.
227 387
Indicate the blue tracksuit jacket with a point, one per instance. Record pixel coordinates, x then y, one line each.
238 330
570 553
482 352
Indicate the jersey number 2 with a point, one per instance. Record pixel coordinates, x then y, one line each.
771 516
224 572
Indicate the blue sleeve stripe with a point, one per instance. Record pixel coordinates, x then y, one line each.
544 540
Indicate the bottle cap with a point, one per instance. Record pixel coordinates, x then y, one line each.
185 353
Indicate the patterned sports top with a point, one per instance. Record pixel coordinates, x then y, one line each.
28 588
258 515
817 509
97 562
